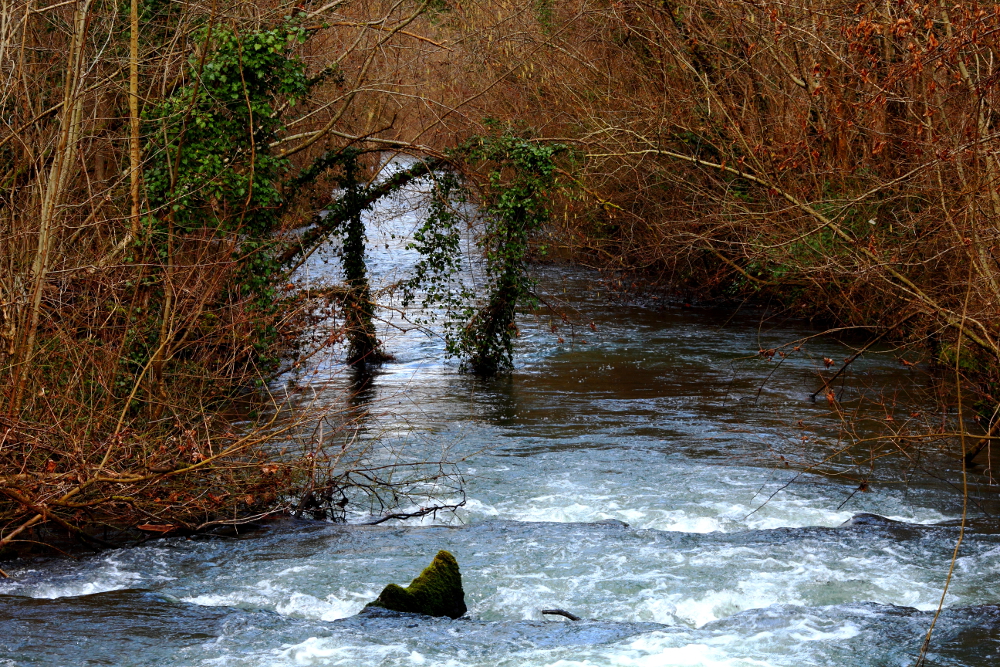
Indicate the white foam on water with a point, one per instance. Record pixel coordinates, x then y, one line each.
657 649
328 609
237 599
797 641
649 650
288 603
329 652
671 608
673 493
814 634
691 583
784 647
686 517
100 584
477 508
109 575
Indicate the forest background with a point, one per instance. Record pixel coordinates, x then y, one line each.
163 166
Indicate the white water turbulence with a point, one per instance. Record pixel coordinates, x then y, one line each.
644 468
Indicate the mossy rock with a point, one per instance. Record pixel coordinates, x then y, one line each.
436 592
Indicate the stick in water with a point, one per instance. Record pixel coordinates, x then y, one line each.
561 612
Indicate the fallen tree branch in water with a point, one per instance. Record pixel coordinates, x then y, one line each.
981 445
850 360
561 612
324 225
423 511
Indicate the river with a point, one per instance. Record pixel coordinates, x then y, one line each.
644 468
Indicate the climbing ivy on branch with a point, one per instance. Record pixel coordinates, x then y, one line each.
359 310
437 274
520 180
210 163
210 170
210 166
514 204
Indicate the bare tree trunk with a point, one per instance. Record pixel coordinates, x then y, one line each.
133 107
65 156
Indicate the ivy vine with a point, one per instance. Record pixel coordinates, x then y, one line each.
514 204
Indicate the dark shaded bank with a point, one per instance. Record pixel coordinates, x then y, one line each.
48 541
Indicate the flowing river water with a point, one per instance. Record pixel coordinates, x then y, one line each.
646 473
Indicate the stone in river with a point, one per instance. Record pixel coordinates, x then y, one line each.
436 592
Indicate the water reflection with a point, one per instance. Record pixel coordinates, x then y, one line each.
361 387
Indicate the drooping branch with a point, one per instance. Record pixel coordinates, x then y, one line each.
336 215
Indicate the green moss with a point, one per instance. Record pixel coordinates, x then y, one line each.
436 592
967 360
